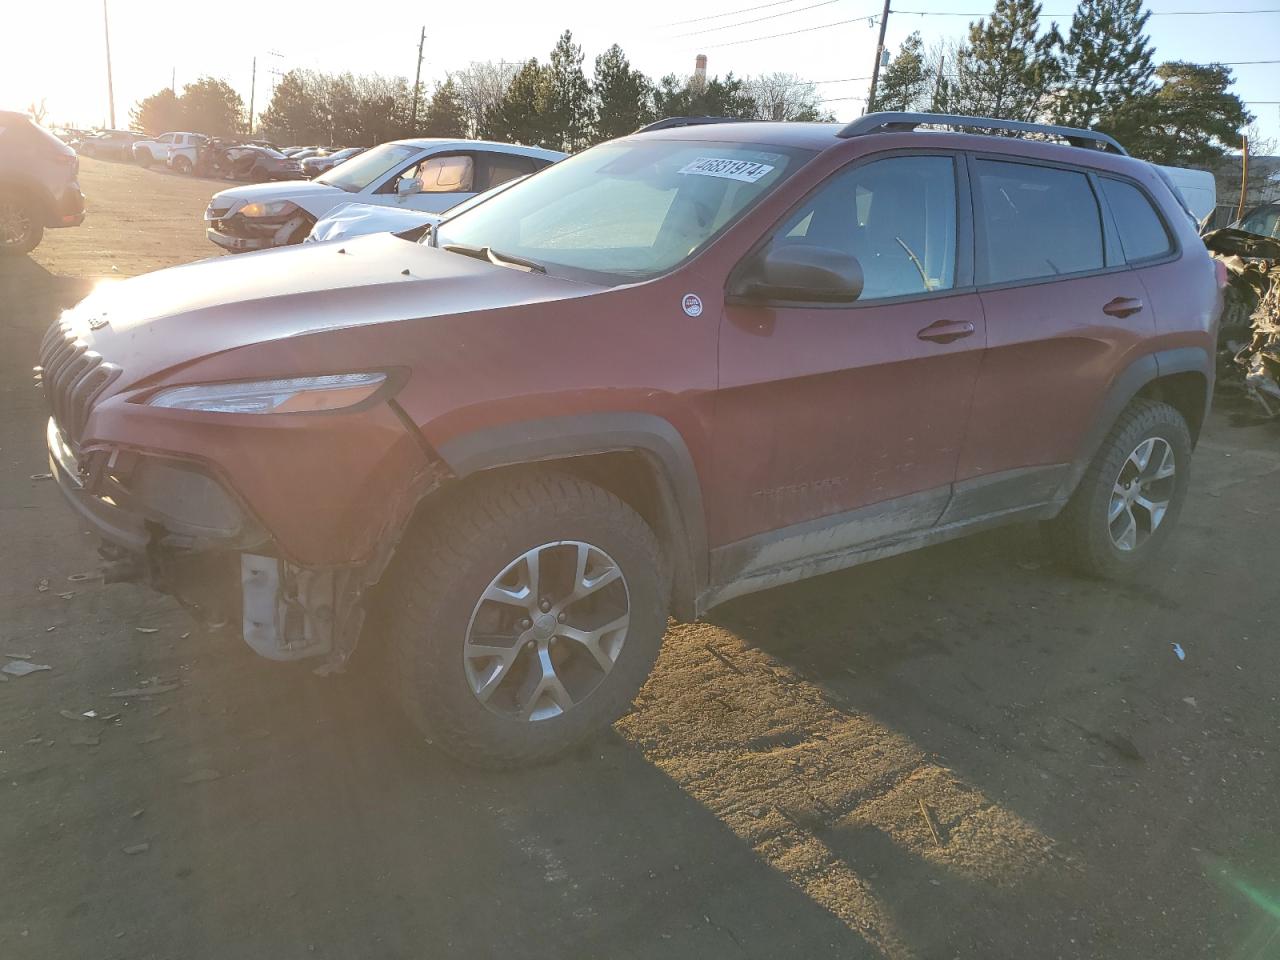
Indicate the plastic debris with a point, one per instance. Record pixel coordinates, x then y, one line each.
80 577
20 668
42 584
71 716
42 476
136 814
144 691
90 714
1179 652
66 596
1190 701
201 776
18 656
147 629
137 848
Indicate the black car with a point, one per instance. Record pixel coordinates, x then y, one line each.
260 164
38 185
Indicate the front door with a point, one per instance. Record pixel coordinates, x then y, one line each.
841 424
446 181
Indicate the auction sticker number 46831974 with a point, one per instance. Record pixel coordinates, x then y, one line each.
748 171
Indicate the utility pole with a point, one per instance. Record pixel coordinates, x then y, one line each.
253 88
106 34
937 84
875 69
417 82
173 80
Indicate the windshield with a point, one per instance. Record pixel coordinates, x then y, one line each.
624 211
370 166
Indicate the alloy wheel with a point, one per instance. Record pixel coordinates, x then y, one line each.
547 631
15 223
1141 494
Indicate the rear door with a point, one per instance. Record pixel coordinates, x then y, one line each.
841 423
1064 315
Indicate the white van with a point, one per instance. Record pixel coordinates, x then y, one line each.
1198 189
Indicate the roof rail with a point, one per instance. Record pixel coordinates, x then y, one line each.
892 122
668 122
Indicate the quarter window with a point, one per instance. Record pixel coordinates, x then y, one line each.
896 216
1036 222
1142 234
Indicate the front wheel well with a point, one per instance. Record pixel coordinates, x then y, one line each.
635 477
1187 393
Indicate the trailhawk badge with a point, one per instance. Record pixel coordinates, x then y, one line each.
97 323
692 304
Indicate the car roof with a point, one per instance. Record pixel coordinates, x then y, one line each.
434 143
825 136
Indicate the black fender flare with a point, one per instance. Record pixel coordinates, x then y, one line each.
554 439
1128 384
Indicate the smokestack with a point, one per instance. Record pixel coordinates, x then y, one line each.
700 70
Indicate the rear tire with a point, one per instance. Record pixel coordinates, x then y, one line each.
1124 509
21 224
182 165
543 691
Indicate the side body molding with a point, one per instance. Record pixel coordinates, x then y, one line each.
565 438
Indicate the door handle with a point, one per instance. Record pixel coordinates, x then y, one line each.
946 331
1122 307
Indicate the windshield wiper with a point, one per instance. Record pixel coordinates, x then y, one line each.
497 259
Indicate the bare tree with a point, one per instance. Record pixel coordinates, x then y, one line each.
481 88
784 96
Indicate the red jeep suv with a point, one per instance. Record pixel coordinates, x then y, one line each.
699 361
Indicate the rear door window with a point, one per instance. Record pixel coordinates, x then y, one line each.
1142 232
495 169
1035 222
897 216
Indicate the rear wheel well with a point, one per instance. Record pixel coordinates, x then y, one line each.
638 480
1186 393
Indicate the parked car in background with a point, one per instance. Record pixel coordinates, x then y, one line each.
1198 189
157 151
672 370
261 165
359 219
1263 220
38 184
429 176
109 145
314 166
308 153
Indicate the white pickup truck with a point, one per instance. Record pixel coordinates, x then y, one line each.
160 150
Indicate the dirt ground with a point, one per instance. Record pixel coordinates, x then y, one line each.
776 793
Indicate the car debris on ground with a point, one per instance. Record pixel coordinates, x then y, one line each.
1249 334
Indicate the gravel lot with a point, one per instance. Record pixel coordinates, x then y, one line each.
1093 795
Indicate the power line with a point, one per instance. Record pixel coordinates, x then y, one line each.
841 80
771 16
870 20
728 13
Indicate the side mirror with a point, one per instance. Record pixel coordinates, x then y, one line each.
800 271
407 186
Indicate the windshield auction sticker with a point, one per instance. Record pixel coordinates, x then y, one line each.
748 171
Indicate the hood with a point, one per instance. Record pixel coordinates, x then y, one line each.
317 198
152 323
359 219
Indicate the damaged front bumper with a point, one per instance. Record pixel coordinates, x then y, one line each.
240 234
169 524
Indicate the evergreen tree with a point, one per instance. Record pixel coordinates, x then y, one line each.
159 113
1105 62
904 85
568 98
520 116
689 97
1008 67
296 113
1189 121
623 96
446 115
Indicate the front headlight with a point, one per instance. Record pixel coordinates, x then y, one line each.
295 395
272 209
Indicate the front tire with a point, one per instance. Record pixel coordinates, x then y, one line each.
182 165
1130 497
21 228
525 618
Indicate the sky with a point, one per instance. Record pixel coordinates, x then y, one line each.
54 50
